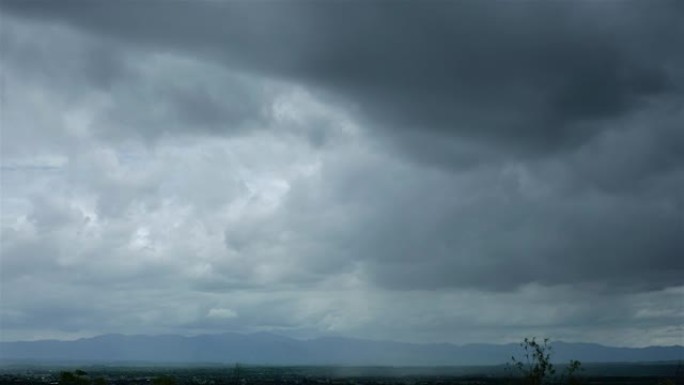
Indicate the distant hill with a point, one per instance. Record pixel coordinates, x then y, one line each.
265 348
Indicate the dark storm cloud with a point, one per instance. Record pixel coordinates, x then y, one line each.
526 76
322 162
593 87
492 228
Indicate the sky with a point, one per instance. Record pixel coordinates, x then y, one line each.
436 171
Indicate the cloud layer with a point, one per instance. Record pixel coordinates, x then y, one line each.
420 172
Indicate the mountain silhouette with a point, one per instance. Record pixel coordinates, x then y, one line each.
266 348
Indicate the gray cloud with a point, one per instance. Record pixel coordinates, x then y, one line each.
494 228
532 77
477 172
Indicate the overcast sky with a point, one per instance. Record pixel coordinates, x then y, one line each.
462 171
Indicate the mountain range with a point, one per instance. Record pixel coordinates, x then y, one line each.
266 348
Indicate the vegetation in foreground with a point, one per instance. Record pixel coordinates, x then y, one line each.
537 369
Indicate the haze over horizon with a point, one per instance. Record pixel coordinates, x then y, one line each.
456 171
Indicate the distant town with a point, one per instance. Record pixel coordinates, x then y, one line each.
614 374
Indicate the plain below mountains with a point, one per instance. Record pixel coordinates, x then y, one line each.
265 348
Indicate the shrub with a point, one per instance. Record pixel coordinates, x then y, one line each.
537 369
